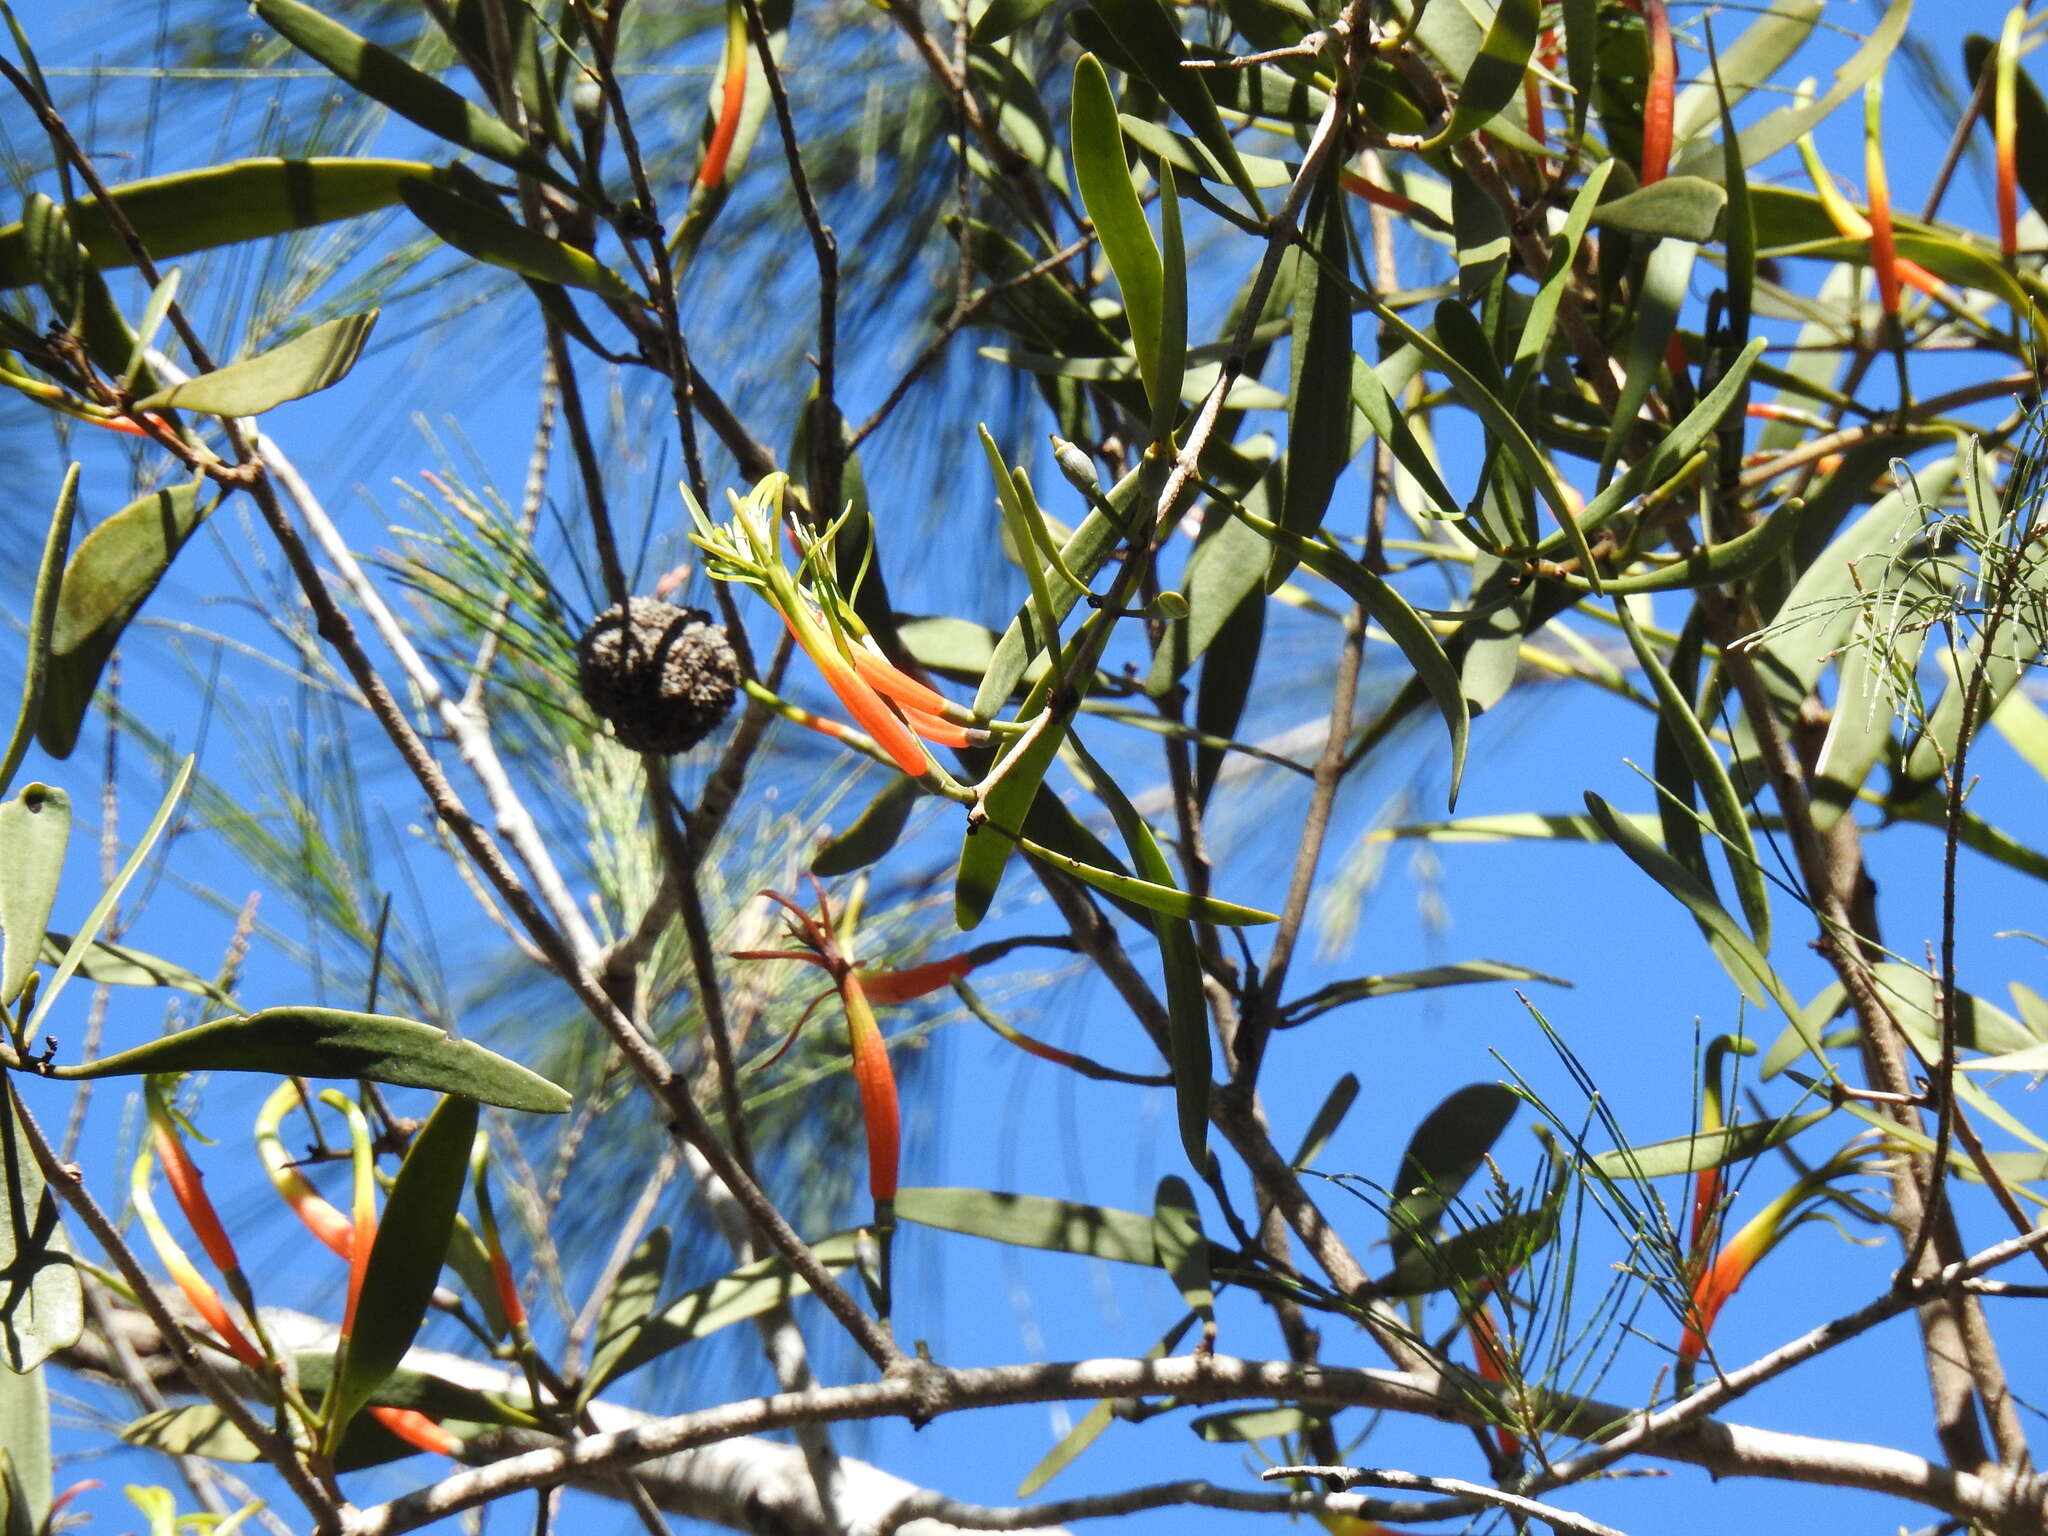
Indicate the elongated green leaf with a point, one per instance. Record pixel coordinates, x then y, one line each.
489 234
1226 568
623 1317
42 1303
1187 1010
1712 565
1004 17
1147 36
222 205
1183 1251
120 965
1458 974
1447 1148
1173 307
89 930
1093 1423
1319 371
1678 208
42 623
195 1429
384 77
24 1453
1495 78
745 1293
1749 969
1730 816
421 1391
1118 216
1343 1094
1666 280
1033 1221
405 1260
1241 1426
1705 1149
1488 1252
1775 130
1369 394
1404 626
1537 327
1162 899
1677 445
109 578
1751 62
330 1042
302 366
873 832
35 828
1189 155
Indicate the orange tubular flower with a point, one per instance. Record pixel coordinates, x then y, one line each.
184 1274
417 1430
871 1071
732 97
1660 102
878 1102
1884 256
1850 224
913 981
494 1245
186 1186
326 1223
2005 131
1489 1360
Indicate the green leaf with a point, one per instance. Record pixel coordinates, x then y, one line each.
1745 962
1183 1251
1495 77
1538 326
42 622
222 205
622 1317
487 232
1751 63
745 1293
1678 207
196 1429
1243 1425
1390 424
1227 567
24 1453
1163 899
384 77
405 1260
1488 1252
1148 37
1664 286
109 578
1184 153
1703 762
1334 1108
302 366
873 833
1461 973
1704 1149
330 1042
1187 1009
1319 378
35 828
1404 626
1448 1147
1034 1221
1776 130
1119 219
1004 17
1092 1424
90 928
120 965
42 1303
1173 307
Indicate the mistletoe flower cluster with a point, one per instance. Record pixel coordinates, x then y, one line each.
899 713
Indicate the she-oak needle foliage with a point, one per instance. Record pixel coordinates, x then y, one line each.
1402 364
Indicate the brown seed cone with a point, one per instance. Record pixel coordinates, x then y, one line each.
663 676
